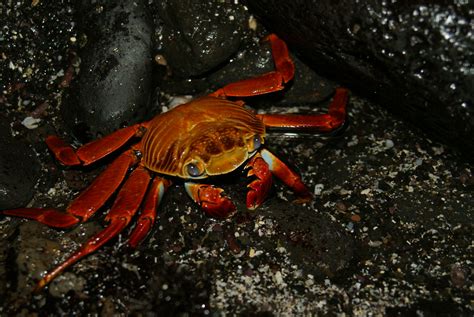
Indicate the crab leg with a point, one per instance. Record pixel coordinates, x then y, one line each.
288 176
211 199
63 152
266 83
148 214
260 186
319 122
94 196
48 216
87 203
124 208
95 150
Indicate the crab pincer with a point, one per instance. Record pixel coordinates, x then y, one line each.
211 199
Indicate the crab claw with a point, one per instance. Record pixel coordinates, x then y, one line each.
211 199
288 176
258 188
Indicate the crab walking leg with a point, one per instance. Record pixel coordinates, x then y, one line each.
95 150
288 176
319 122
48 216
210 199
148 214
260 186
95 196
124 208
63 152
266 83
87 203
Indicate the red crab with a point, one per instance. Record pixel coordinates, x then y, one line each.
205 137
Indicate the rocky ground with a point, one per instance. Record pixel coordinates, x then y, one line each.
388 233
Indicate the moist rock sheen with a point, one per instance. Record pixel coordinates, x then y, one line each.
209 45
19 170
416 58
196 37
115 80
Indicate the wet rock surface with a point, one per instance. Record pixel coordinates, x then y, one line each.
197 58
389 231
208 36
227 45
415 58
19 169
114 85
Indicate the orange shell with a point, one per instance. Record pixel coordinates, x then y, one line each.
216 132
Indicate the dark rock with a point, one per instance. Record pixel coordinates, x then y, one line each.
114 85
321 248
416 58
253 60
196 37
222 47
19 170
250 60
34 65
256 59
221 50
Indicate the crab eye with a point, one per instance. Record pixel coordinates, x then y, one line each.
256 142
193 170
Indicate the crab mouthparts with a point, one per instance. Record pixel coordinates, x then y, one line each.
227 161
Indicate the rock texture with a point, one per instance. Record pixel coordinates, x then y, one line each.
196 37
19 169
114 85
415 57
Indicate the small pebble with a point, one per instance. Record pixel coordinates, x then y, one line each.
340 206
318 188
389 144
355 218
30 122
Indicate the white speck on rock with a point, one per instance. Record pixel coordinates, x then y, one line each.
438 150
30 122
318 188
179 100
252 23
354 141
375 244
278 278
389 144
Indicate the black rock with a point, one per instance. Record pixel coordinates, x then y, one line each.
256 59
196 37
250 60
209 45
115 81
19 170
415 58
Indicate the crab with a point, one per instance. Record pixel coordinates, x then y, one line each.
209 136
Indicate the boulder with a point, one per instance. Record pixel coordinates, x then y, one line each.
413 57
